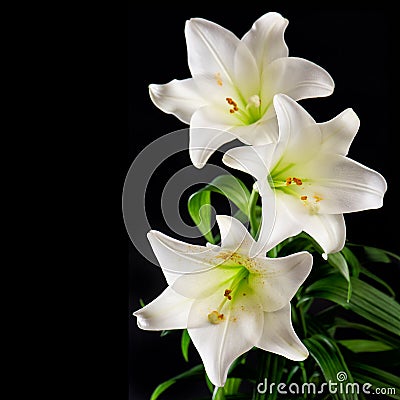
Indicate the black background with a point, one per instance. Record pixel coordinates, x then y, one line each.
357 47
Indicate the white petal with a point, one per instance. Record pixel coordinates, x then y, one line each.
299 134
220 344
266 39
213 50
344 185
204 284
180 98
339 132
276 280
328 230
176 257
279 336
263 131
295 77
279 224
254 160
234 235
168 311
208 132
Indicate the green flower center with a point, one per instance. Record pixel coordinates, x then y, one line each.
235 287
247 112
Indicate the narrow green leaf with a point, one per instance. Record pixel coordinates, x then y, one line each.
232 386
378 280
198 370
219 393
338 261
185 342
376 255
390 340
141 302
233 189
361 346
366 301
199 208
378 378
329 358
209 383
254 221
199 203
352 261
161 388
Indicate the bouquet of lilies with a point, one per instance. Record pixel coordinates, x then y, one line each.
250 288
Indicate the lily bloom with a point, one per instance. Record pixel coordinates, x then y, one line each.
233 83
305 180
228 301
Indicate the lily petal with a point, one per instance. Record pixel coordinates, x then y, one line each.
168 311
279 336
266 39
214 50
277 220
276 280
345 185
220 344
339 132
234 235
261 132
209 130
178 97
329 230
176 257
254 160
297 78
299 135
204 284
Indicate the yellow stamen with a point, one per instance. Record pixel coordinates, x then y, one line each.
232 103
228 294
215 317
218 79
317 198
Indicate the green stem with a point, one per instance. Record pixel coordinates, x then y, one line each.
264 363
254 225
304 375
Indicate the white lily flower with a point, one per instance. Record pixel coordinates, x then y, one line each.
228 301
307 178
233 83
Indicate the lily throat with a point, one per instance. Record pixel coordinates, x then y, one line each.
246 112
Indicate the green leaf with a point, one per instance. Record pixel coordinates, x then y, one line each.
390 340
198 370
219 393
185 342
338 261
199 203
361 346
329 358
366 301
209 383
378 378
352 261
161 389
141 302
378 280
254 221
199 206
376 255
